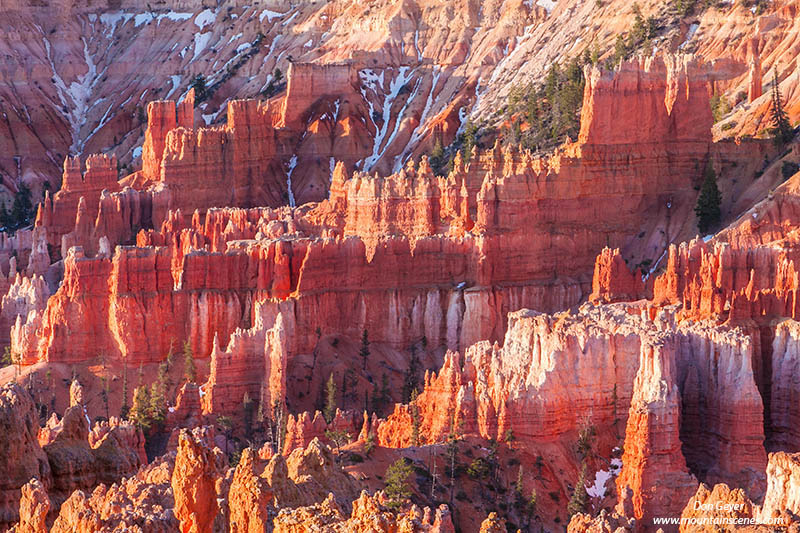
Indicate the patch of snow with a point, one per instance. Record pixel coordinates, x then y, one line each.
292 165
332 163
689 34
653 269
237 36
205 18
200 43
137 152
309 44
287 21
142 18
708 238
176 82
755 215
269 15
176 17
207 119
79 92
201 390
418 134
171 409
616 464
598 490
395 85
111 20
146 18
242 47
548 5
416 45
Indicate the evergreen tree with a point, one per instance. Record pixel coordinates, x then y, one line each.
123 411
519 486
226 425
22 209
139 413
5 218
437 159
330 400
411 376
781 127
453 438
158 401
8 357
364 351
188 362
416 420
338 438
369 444
707 209
200 91
577 503
594 58
468 140
397 489
532 503
377 407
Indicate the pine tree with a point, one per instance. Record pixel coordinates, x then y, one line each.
411 376
453 438
338 438
369 444
594 58
377 408
139 413
469 140
577 503
5 218
200 90
156 410
364 351
415 418
397 489
782 129
22 209
330 400
707 209
123 411
437 158
8 357
188 362
519 486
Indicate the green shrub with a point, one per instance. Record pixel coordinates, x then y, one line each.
789 169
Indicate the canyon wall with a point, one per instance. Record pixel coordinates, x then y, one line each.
411 242
61 457
691 391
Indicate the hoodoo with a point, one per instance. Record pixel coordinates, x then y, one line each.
421 266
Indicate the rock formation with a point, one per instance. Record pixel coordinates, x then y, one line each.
33 508
603 523
782 498
258 231
368 514
720 503
22 458
194 480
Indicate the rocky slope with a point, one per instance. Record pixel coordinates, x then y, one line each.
286 231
